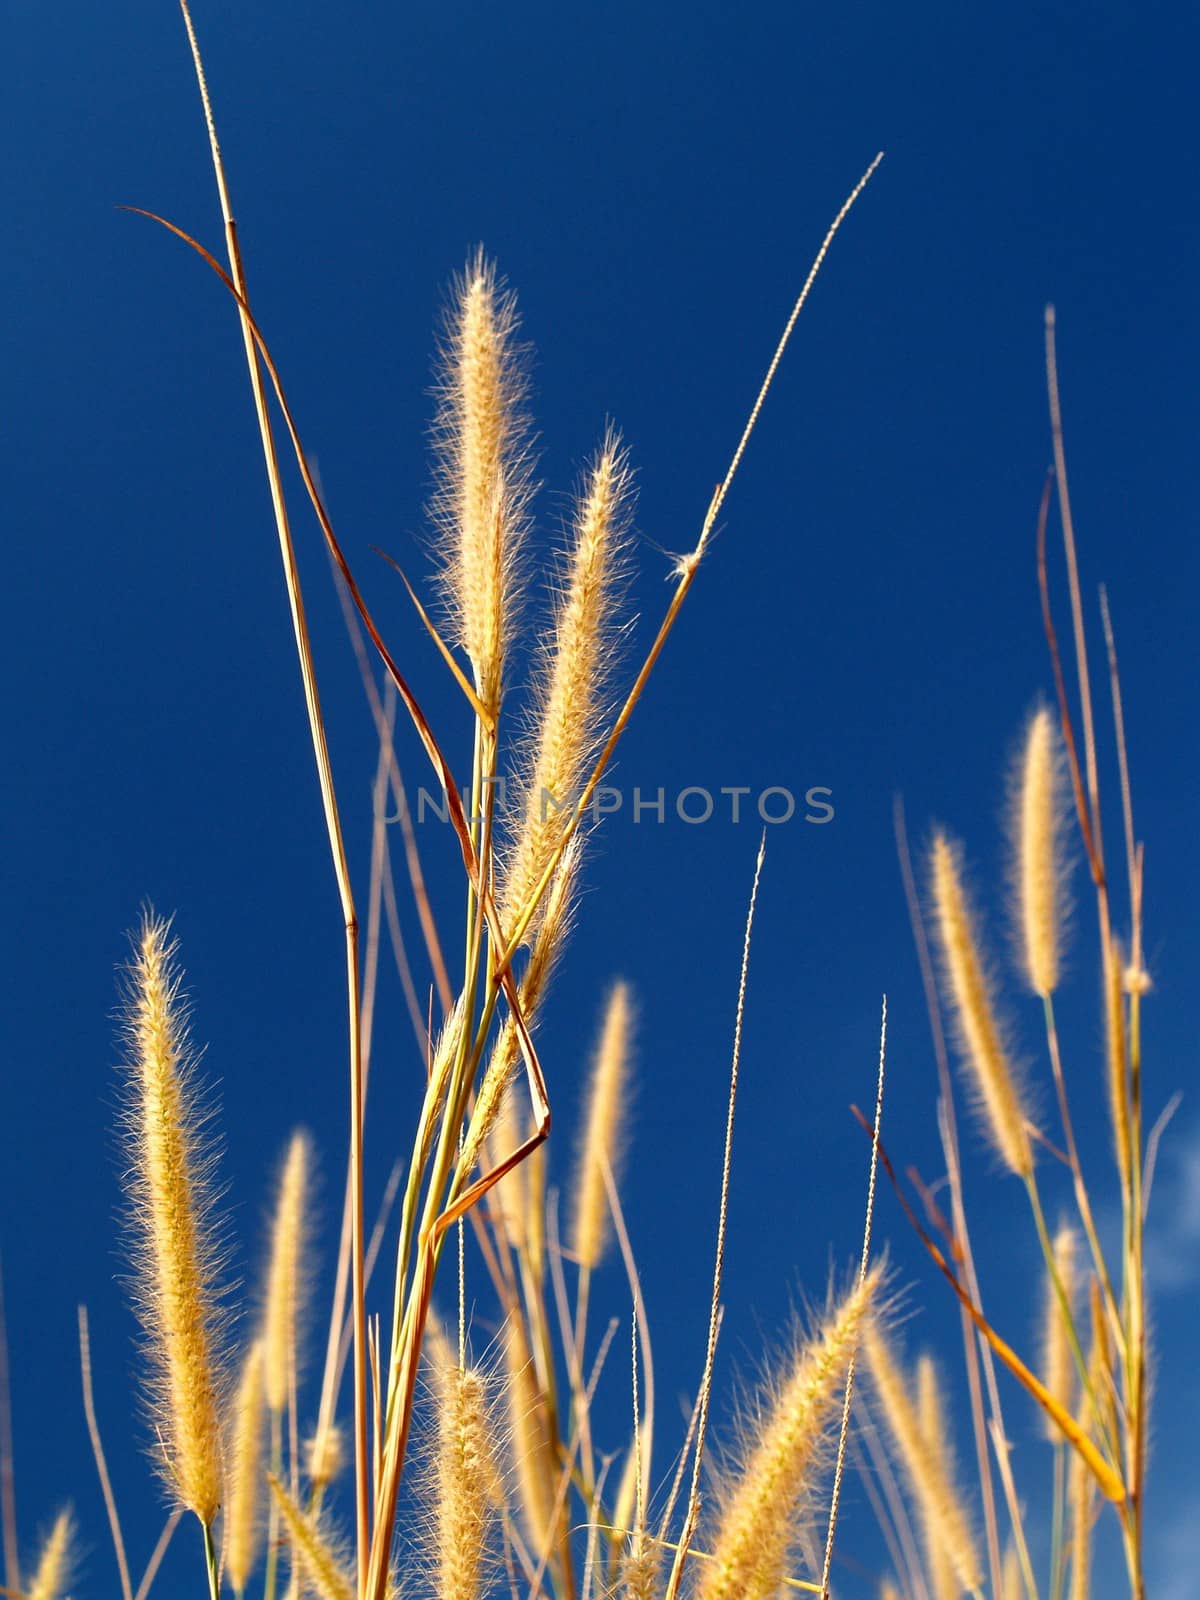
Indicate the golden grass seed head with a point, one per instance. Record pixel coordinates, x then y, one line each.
641 1569
483 454
572 691
1012 1584
287 1273
317 1555
1039 816
926 1464
1137 980
176 1255
464 1486
53 1574
991 1073
763 1498
943 1582
325 1456
601 1147
243 1520
1081 1504
535 1463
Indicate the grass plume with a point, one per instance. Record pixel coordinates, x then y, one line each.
926 1463
1058 1361
1039 815
943 1580
465 1481
286 1273
322 1566
483 461
774 1479
243 1523
325 1456
533 1454
600 1147
571 693
992 1075
175 1253
55 1564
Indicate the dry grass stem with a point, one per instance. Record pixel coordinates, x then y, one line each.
1117 1061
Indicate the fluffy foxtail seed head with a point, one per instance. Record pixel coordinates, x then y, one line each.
56 1560
572 696
926 1465
1081 1500
323 1568
1058 1363
325 1456
761 1500
286 1273
991 1073
243 1525
943 1582
174 1251
466 1486
481 505
533 1455
641 1569
601 1144
1012 1584
1038 819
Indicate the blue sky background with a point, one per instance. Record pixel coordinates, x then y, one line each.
654 182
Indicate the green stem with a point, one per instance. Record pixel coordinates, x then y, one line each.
1064 1306
1135 1293
1057 1563
210 1562
1082 1202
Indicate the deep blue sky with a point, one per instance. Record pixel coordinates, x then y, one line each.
654 182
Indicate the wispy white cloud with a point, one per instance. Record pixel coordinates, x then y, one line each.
1174 1559
1173 1227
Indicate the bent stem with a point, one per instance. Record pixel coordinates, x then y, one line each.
328 798
1103 1433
